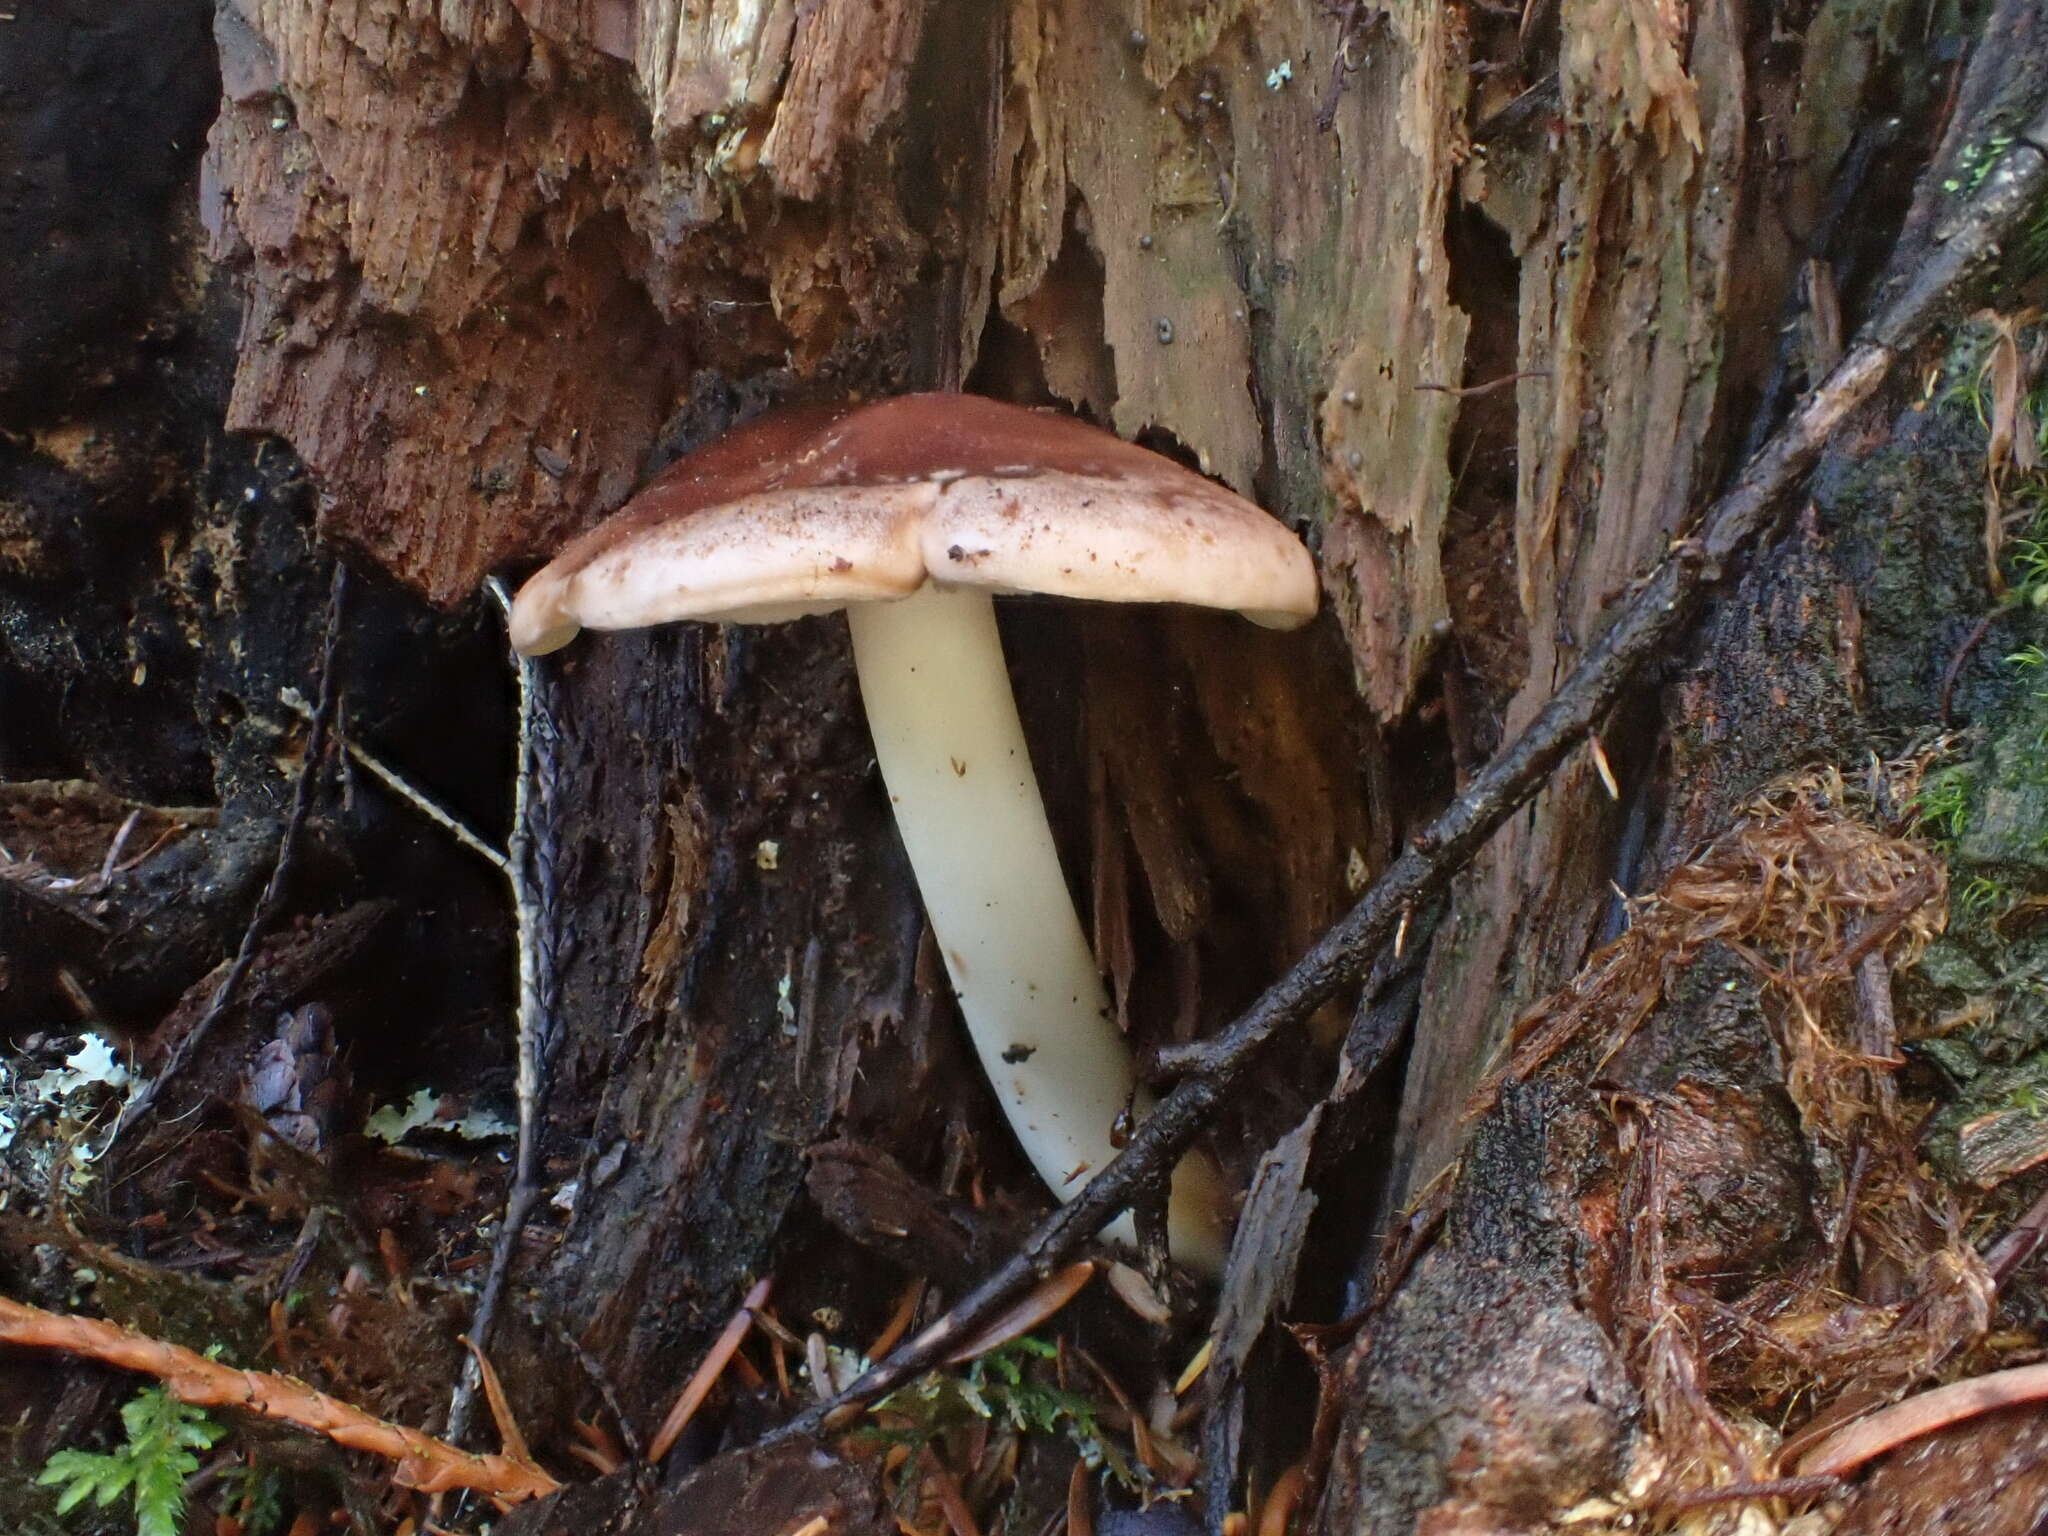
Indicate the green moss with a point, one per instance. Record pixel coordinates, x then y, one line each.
1994 808
1974 162
1942 808
1953 965
1987 809
185 1309
1982 899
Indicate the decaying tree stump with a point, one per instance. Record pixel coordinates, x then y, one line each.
1485 304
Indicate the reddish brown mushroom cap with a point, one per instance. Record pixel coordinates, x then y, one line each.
805 511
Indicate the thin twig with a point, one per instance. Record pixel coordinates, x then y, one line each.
529 867
112 861
1470 391
423 1462
402 787
2019 1244
272 898
1651 622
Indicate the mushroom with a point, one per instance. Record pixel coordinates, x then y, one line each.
910 513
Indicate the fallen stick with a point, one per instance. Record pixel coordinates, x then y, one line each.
1889 1428
425 1463
1657 613
528 866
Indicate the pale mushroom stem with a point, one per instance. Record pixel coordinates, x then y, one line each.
967 805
